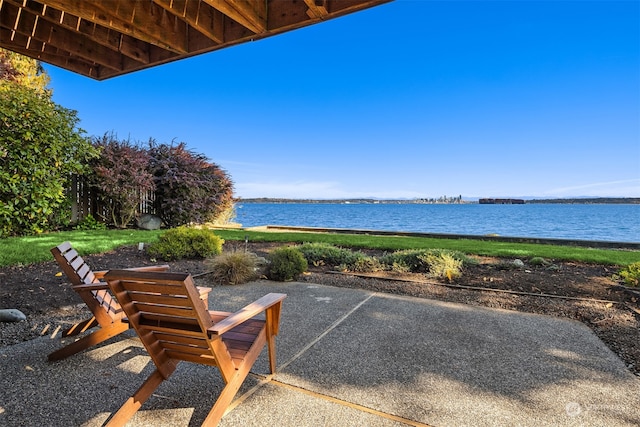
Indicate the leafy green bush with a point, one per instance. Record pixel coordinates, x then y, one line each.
286 263
40 148
631 274
234 267
186 242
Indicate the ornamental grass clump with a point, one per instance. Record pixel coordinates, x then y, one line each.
631 274
286 263
436 263
186 242
443 266
234 267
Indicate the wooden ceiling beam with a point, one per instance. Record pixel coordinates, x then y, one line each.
199 15
317 8
135 49
38 28
251 14
34 49
133 18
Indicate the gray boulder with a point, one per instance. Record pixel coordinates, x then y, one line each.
149 222
12 315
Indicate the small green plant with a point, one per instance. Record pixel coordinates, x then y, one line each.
631 274
406 261
186 242
90 223
418 260
366 264
286 263
234 267
539 261
342 258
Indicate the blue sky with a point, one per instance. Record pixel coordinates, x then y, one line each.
414 98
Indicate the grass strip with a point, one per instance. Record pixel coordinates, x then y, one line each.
31 249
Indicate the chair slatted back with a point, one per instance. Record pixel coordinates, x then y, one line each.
79 273
169 317
73 265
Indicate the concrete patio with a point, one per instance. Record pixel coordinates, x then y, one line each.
347 358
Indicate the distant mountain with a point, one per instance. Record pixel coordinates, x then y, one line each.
590 200
446 200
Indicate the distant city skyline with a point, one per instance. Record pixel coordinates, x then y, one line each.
411 99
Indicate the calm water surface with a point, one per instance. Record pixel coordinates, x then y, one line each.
616 223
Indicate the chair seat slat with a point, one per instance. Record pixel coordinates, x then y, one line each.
153 288
166 310
181 301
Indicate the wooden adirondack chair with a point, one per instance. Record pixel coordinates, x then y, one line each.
107 313
165 311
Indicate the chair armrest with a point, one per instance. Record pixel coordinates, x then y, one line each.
246 313
100 274
90 287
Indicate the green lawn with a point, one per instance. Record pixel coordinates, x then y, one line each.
32 249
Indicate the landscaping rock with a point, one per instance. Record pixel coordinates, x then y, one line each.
12 315
149 222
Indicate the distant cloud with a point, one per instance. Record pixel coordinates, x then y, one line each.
622 188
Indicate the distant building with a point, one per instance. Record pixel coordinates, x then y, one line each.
501 201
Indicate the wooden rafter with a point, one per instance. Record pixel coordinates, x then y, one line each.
106 38
201 17
251 14
317 8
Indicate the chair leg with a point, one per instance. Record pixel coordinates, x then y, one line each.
102 334
232 387
80 327
226 396
134 403
271 347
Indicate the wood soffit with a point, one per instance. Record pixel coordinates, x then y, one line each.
107 38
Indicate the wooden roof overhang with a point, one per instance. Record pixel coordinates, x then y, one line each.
107 38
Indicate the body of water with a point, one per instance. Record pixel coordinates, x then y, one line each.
606 222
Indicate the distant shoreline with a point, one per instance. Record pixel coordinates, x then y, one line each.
447 201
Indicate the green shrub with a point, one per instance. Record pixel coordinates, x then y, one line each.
422 260
417 260
344 259
90 223
406 261
234 267
40 148
286 263
631 274
366 264
186 242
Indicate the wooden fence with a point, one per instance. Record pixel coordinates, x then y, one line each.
85 201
